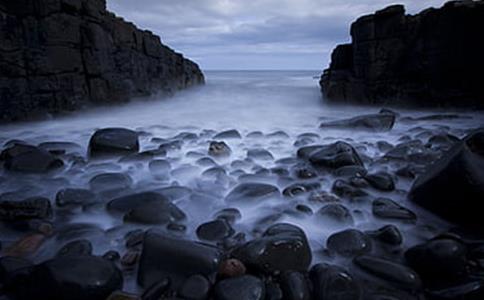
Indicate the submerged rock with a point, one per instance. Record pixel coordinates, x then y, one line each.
282 247
113 141
251 192
332 156
335 215
29 159
453 187
214 231
375 122
228 134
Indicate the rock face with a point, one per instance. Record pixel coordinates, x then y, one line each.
62 55
427 59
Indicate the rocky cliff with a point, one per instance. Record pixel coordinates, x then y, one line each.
58 55
434 58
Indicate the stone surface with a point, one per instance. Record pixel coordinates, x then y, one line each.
29 159
375 122
245 287
453 187
67 54
332 156
333 282
113 141
349 242
426 59
251 192
28 209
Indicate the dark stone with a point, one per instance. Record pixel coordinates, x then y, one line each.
388 234
228 134
159 167
214 231
439 259
453 187
195 287
156 290
245 287
333 282
70 277
381 181
9 265
219 149
374 122
76 248
29 159
259 154
422 60
251 192
110 182
335 215
282 247
231 215
296 189
76 54
231 268
349 242
345 190
176 259
74 197
389 209
28 209
113 141
331 156
295 286
392 272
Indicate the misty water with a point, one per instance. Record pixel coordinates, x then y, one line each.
276 111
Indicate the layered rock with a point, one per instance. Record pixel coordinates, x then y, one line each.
427 59
59 55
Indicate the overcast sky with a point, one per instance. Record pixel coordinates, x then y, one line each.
254 34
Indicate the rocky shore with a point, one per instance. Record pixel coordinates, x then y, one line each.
429 59
64 55
147 215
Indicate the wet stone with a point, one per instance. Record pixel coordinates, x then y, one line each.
349 242
159 212
118 295
373 122
350 171
345 190
389 209
260 154
59 148
388 234
282 247
245 287
231 268
295 286
112 255
110 181
214 231
335 215
195 287
219 149
76 248
228 134
381 181
29 159
74 197
25 246
300 188
159 167
113 142
251 192
389 271
333 282
28 209
334 156
171 146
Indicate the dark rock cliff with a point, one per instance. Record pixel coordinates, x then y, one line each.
58 55
434 58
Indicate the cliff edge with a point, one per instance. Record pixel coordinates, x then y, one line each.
434 58
58 55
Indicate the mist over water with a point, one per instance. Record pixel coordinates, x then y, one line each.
287 103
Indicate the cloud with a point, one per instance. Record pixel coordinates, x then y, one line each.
241 34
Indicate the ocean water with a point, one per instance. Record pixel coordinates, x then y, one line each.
287 103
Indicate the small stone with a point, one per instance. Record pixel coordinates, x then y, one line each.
349 242
381 181
335 215
76 248
219 149
195 287
214 231
245 287
113 141
228 134
231 268
389 209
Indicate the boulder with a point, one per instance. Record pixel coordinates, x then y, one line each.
453 186
251 192
113 141
332 156
282 247
29 159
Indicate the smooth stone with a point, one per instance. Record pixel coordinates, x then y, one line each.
295 286
388 234
119 295
442 141
334 156
127 203
28 209
216 230
74 278
333 282
335 215
25 246
29 159
381 181
251 192
219 149
9 265
231 268
174 193
345 190
388 209
231 215
113 142
453 186
350 171
195 287
472 290
390 271
439 259
110 181
159 167
349 243
300 188
259 154
176 259
74 197
174 145
155 213
245 287
75 248
206 162
278 134
157 290
282 247
372 122
228 134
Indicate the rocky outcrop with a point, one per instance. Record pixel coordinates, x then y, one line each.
58 55
429 59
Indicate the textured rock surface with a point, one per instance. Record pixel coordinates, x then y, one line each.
428 59
62 55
